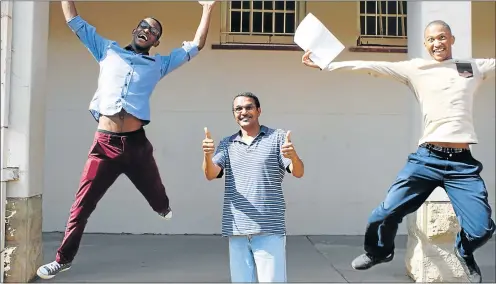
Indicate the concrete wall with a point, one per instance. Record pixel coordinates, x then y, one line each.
353 138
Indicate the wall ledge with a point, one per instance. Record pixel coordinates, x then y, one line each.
256 46
378 49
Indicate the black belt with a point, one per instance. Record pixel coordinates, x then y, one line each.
444 149
123 134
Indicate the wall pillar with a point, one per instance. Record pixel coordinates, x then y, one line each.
23 141
432 229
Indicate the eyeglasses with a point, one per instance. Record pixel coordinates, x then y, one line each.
238 109
145 25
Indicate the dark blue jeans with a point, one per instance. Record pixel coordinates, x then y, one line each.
426 169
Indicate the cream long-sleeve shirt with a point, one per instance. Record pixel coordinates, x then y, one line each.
445 91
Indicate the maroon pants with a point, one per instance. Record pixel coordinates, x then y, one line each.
111 155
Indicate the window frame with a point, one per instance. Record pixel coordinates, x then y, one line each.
380 41
228 38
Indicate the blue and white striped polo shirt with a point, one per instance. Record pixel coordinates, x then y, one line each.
253 198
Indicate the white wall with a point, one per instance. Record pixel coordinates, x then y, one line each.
350 130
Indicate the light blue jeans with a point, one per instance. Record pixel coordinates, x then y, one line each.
258 255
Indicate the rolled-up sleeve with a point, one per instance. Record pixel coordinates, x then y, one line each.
96 44
220 156
178 57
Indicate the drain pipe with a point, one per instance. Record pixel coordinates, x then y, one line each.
6 56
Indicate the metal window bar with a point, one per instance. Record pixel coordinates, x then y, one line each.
401 10
380 30
264 11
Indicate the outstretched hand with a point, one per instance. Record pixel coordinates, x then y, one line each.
305 59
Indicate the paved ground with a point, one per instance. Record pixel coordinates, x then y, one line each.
157 258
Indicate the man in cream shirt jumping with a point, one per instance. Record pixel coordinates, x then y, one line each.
445 88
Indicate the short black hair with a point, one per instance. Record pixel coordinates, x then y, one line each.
438 22
249 95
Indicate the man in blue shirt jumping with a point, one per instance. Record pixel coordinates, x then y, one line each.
121 107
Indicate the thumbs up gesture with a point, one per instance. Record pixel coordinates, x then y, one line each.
208 143
287 148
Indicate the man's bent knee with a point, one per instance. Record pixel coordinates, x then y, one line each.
484 233
381 214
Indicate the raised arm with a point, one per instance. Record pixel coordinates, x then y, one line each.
202 31
69 10
86 33
396 70
190 49
486 67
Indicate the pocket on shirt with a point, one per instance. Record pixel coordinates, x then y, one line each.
465 70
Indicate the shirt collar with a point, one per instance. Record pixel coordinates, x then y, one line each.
238 136
130 48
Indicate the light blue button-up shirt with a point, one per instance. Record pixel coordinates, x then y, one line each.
126 79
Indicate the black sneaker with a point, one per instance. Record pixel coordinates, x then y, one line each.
470 267
366 261
49 270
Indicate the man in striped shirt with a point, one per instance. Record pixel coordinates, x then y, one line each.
254 161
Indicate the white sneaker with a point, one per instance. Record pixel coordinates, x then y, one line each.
166 216
49 270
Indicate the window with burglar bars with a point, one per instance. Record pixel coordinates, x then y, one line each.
383 23
261 22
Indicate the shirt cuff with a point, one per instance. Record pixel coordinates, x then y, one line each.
76 23
217 162
191 48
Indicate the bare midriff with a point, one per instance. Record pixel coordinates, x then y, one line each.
451 145
119 123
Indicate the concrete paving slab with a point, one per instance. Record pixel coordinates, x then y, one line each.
144 258
341 250
153 258
189 258
307 264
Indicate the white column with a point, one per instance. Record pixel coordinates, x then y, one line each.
23 135
25 143
6 48
433 228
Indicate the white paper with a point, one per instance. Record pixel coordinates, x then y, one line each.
312 35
